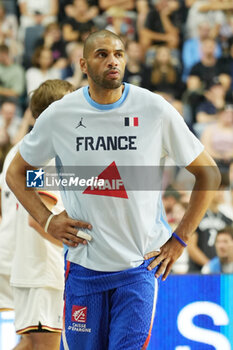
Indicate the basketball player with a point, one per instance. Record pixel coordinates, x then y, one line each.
7 240
35 264
111 280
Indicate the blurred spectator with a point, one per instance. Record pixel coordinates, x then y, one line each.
42 69
181 265
216 19
134 68
10 6
226 30
214 100
225 34
12 76
225 5
9 122
218 138
231 177
77 26
71 7
170 198
202 73
8 33
129 5
52 39
34 13
223 262
201 245
72 72
160 26
164 76
26 125
3 152
227 206
208 68
143 8
227 61
192 48
120 23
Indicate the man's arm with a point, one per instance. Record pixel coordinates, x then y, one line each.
207 182
61 226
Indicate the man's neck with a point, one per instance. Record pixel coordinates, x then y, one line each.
105 96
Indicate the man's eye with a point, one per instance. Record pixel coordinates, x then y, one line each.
119 54
102 54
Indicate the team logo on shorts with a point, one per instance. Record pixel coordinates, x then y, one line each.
79 314
35 178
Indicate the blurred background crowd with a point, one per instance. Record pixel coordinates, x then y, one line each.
181 49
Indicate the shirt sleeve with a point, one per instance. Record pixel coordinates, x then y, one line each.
179 142
37 146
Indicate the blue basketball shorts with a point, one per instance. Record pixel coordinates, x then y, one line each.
108 310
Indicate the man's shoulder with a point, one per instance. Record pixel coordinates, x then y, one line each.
144 93
150 102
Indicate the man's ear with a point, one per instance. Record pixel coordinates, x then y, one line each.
83 65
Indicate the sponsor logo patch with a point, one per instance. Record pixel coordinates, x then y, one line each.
113 185
79 314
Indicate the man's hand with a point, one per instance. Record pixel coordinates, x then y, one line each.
65 229
166 257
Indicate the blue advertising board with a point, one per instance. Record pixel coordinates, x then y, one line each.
194 312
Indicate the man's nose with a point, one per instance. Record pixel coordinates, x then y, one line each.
112 61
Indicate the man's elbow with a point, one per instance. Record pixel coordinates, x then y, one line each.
212 177
216 177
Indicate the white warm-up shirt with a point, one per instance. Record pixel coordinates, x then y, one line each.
7 225
36 262
31 260
140 129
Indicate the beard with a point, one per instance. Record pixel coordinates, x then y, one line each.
104 83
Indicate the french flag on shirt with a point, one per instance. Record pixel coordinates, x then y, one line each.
131 121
